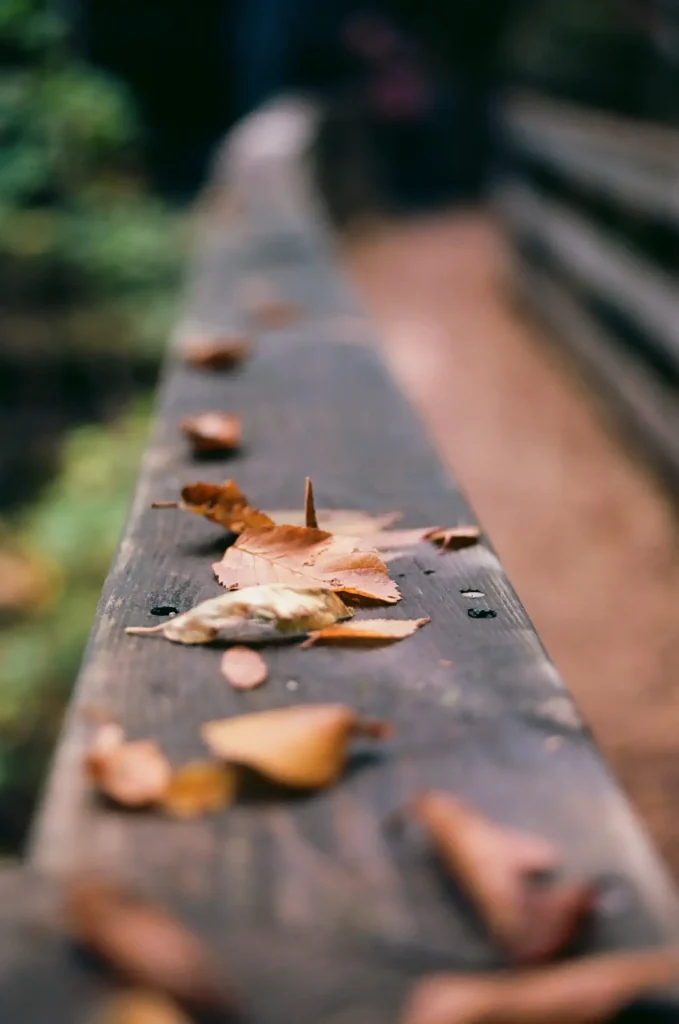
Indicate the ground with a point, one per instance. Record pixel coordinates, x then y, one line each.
588 537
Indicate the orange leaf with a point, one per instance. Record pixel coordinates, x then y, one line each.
367 631
143 943
131 774
198 788
243 668
310 517
299 555
303 746
212 431
345 521
224 504
454 538
216 352
139 1006
586 991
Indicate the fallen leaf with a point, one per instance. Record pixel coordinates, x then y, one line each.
224 504
555 912
143 943
344 521
454 538
303 746
139 1006
212 431
276 313
297 554
131 774
367 631
216 352
585 991
244 668
493 864
198 788
109 736
310 517
290 609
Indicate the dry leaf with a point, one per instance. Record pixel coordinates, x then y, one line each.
303 746
143 943
198 788
289 609
244 668
297 554
109 736
310 517
454 538
366 631
224 504
216 352
586 991
494 865
131 774
140 1006
212 431
344 521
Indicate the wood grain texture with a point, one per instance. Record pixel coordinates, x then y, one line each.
478 707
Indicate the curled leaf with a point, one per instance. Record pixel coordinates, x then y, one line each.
310 517
224 504
344 521
244 668
304 746
300 555
212 431
141 1006
290 609
216 352
131 774
586 991
198 788
366 631
454 538
143 943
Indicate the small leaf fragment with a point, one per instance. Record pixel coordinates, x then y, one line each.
243 668
224 504
143 943
212 431
304 746
198 788
366 631
300 555
310 517
216 352
290 609
454 538
131 774
585 991
140 1006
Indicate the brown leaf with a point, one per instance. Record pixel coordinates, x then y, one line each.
297 554
555 912
310 517
586 991
140 1006
198 788
216 352
143 943
244 668
212 431
494 865
108 737
366 631
454 538
276 313
131 774
224 504
289 609
303 746
344 521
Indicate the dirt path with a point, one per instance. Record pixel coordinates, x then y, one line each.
589 541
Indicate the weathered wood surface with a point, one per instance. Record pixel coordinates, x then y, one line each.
342 909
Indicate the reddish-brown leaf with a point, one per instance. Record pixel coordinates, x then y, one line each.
299 555
131 774
366 631
212 431
586 991
198 788
140 1006
143 943
244 668
304 746
224 504
216 352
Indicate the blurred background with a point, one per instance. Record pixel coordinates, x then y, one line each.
515 162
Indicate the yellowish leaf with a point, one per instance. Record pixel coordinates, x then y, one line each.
243 668
299 555
290 609
212 431
140 1006
366 631
224 504
198 788
303 746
